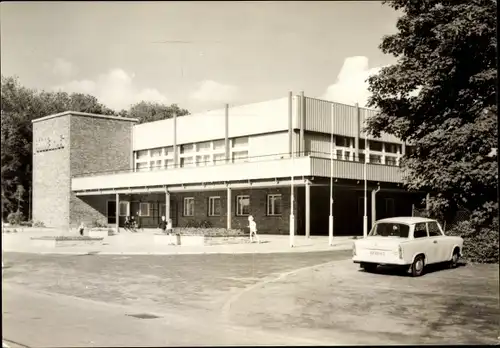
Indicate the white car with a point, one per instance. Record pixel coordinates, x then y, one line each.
412 242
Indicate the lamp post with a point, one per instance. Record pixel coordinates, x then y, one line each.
292 215
330 218
365 217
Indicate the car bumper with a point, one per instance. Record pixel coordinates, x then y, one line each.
395 262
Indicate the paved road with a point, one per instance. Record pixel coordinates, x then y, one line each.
285 299
78 299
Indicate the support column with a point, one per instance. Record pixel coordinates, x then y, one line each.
226 134
427 198
308 209
290 125
167 204
117 199
229 214
374 204
356 141
302 141
176 160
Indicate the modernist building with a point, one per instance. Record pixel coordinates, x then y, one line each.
219 166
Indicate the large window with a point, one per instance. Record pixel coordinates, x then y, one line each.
142 154
219 144
187 148
141 166
240 142
188 206
391 160
377 159
157 152
242 205
214 206
274 204
155 165
240 156
202 161
143 209
375 145
205 146
187 162
124 208
219 158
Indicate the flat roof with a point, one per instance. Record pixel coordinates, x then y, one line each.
77 113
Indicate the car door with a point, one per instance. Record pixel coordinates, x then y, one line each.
443 251
434 245
422 242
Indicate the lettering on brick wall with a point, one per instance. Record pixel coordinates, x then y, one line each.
50 143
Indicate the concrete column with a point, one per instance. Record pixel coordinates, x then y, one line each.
229 214
383 152
308 209
427 206
167 205
226 134
356 141
117 227
176 157
374 204
302 123
290 125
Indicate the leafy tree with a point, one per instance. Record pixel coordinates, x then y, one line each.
441 97
150 111
18 196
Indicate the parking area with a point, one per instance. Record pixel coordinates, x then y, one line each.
339 300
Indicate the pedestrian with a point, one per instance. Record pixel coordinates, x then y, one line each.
138 221
163 224
252 225
81 228
169 226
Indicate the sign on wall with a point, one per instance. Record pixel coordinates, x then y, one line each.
51 143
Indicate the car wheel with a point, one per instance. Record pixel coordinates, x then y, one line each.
369 267
455 258
417 268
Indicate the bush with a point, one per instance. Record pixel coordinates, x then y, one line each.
98 224
200 224
15 218
480 242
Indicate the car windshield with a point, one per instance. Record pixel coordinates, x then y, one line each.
387 229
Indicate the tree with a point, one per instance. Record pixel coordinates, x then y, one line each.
150 111
440 96
18 195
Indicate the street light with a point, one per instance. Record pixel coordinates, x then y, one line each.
330 219
292 216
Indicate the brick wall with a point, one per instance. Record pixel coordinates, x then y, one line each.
51 173
97 145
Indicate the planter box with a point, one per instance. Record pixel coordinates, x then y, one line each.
97 233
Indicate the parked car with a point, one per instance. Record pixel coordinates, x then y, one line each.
412 242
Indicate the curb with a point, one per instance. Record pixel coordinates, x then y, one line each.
336 247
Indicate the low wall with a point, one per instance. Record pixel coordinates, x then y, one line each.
54 242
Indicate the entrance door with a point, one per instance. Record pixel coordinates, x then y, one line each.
173 213
111 209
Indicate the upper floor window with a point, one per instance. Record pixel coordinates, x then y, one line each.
343 141
240 142
219 144
141 166
377 159
392 148
187 162
240 156
186 148
391 161
361 144
157 152
375 145
142 154
205 146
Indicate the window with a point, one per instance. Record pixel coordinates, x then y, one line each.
124 208
214 206
142 154
240 156
202 147
339 154
433 229
420 231
375 145
219 144
362 157
392 148
347 154
157 152
186 161
242 205
202 161
141 166
390 160
342 141
188 209
187 148
386 229
169 163
143 209
155 165
274 204
240 142
169 150
377 159
219 158
361 144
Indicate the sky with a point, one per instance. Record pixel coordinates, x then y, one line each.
199 55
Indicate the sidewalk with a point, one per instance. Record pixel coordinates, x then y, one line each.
141 243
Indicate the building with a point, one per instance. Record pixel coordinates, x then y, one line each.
217 167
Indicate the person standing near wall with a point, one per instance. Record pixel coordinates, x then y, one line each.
163 224
252 225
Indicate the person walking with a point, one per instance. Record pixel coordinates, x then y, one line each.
252 225
163 224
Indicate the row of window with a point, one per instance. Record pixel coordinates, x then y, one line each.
274 207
